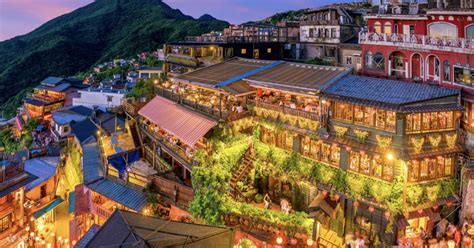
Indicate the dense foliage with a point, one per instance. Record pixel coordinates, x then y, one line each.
98 32
10 143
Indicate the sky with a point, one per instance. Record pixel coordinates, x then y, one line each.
22 16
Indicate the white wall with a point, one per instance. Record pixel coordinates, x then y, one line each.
98 99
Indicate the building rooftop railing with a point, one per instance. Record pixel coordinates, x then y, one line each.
459 45
239 39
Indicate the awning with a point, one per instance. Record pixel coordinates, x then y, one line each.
187 126
52 205
71 202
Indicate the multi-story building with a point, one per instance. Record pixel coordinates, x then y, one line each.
254 41
324 30
53 93
13 180
381 153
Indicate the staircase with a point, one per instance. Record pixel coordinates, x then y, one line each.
242 172
135 134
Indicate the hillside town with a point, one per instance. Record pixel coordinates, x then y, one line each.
352 126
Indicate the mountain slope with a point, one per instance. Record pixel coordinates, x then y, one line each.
98 32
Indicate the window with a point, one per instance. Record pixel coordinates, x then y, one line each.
373 166
269 50
430 168
387 28
5 223
367 116
374 62
443 30
430 121
333 33
377 27
470 32
311 32
446 71
463 75
348 60
66 129
243 51
43 191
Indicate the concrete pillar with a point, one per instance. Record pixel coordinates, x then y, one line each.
344 158
389 67
406 70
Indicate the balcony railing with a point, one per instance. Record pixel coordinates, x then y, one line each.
181 59
289 111
320 22
176 151
101 211
240 39
418 41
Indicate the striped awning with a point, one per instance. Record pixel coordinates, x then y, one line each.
187 126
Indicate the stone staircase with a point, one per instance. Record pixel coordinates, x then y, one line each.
243 171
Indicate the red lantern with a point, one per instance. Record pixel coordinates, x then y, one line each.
293 241
355 204
348 148
420 211
324 192
387 214
337 197
435 207
279 240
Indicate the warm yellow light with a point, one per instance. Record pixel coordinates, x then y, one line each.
279 240
309 242
390 156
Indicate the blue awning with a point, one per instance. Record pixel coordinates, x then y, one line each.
72 201
52 205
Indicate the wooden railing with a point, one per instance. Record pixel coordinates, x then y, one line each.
175 150
101 211
167 188
285 110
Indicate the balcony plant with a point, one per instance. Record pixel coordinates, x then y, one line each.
451 140
417 143
434 140
340 131
383 141
361 135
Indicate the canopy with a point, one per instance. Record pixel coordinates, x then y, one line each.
52 205
121 160
187 126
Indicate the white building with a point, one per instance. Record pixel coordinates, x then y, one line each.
101 98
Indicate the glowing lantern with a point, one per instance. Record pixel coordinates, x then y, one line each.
309 242
279 240
293 241
371 209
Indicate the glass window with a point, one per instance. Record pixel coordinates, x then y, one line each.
387 28
443 30
463 75
369 57
355 160
413 171
380 121
446 71
326 153
315 150
424 169
5 223
470 32
359 114
391 120
364 164
379 62
243 51
448 166
335 155
369 116
377 27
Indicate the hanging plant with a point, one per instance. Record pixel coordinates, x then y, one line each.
383 140
303 122
361 135
292 120
417 143
451 140
258 111
340 131
434 139
313 125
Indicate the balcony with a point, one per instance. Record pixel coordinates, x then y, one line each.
174 150
240 39
319 22
181 59
422 42
285 110
212 112
100 210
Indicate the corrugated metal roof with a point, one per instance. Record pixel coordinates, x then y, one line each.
92 165
83 130
186 125
119 193
82 243
50 206
44 168
387 91
52 81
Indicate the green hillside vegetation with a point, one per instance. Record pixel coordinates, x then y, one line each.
98 32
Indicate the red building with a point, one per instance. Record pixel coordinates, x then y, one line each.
436 47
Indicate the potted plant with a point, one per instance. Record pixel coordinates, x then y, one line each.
258 198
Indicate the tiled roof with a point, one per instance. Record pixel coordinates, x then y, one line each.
44 168
52 81
83 130
82 243
119 193
92 165
386 91
298 77
186 125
